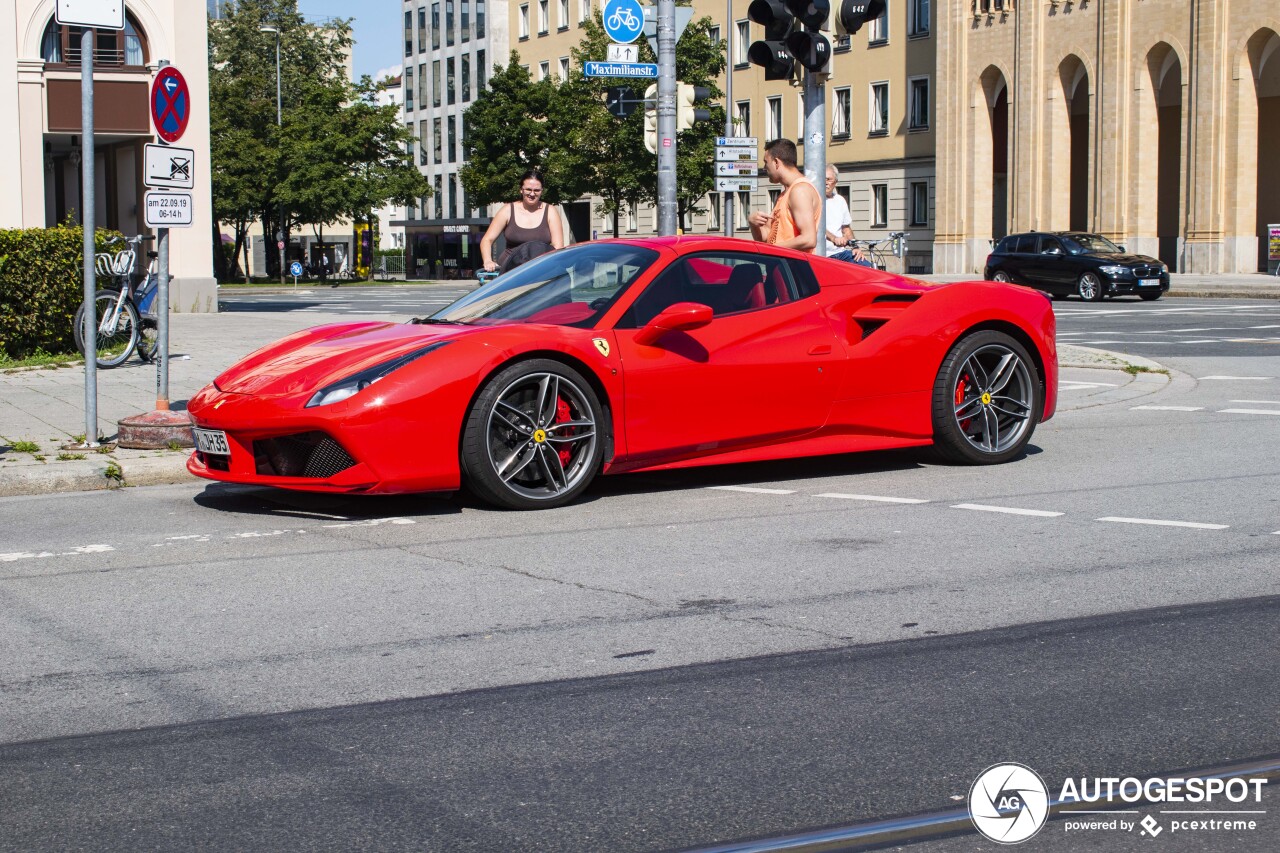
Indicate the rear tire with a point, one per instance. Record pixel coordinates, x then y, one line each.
534 438
113 349
987 399
1001 276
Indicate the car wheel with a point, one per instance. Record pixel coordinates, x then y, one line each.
533 438
1001 276
986 400
1150 297
1090 287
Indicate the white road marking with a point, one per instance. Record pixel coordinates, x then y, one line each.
372 522
1081 386
1164 522
1168 408
14 556
1249 411
1008 509
1251 378
1265 402
753 490
880 498
1265 327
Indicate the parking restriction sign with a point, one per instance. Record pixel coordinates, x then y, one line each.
170 104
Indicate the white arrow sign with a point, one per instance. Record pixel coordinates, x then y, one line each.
733 185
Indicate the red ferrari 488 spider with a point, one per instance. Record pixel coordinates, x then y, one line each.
630 355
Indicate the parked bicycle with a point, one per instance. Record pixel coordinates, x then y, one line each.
125 314
879 251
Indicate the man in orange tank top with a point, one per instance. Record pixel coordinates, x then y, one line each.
794 220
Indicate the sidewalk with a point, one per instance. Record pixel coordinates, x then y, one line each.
1233 286
45 407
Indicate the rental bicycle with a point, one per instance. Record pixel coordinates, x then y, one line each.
879 251
126 319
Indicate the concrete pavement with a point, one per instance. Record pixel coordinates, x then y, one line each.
43 409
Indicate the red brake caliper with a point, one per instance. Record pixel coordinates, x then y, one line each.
960 389
563 415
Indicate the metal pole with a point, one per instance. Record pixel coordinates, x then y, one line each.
161 304
815 150
279 123
730 29
88 204
666 118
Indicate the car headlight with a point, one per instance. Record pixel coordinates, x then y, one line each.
1164 268
357 382
1115 272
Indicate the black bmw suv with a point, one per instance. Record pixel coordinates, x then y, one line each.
1066 262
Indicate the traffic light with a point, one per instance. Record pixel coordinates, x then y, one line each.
651 118
688 97
852 14
783 42
620 101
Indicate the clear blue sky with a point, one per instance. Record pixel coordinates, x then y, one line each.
377 27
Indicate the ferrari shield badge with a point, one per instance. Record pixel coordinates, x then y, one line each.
602 345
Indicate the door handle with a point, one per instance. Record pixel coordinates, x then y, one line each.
820 349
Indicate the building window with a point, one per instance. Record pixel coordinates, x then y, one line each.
713 33
713 212
422 29
439 197
466 21
879 205
842 114
524 21
774 112
448 22
437 143
408 88
450 92
480 19
564 68
544 70
773 198
408 33
843 192
584 10
451 144
633 217
422 84
453 199
920 203
435 83
543 15
424 135
481 70
878 33
409 145
741 43
466 78
564 15
918 117
800 116
744 210
878 109
917 18
125 48
742 125
435 27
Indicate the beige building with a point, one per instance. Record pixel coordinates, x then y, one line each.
41 145
1153 122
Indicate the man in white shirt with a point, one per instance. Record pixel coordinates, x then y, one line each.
840 225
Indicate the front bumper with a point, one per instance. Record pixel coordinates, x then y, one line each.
1130 284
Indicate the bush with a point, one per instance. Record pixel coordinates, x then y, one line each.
41 286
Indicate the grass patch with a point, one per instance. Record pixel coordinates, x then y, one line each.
39 358
68 457
114 472
1135 369
25 447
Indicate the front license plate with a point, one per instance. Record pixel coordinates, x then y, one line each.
1148 282
212 441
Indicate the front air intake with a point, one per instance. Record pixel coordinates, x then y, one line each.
304 454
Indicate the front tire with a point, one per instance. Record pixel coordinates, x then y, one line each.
1150 297
534 438
1090 287
115 346
986 400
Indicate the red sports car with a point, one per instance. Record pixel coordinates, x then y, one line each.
634 355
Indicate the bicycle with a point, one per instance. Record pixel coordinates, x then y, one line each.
879 251
622 19
126 319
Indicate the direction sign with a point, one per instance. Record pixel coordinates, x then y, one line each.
684 14
735 185
623 53
167 167
168 209
736 141
730 155
738 167
170 104
101 14
623 20
637 70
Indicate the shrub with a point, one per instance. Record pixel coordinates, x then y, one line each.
41 286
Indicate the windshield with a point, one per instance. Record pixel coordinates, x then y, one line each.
1090 244
571 287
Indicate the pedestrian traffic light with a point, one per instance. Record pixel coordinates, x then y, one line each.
783 42
651 118
852 14
620 101
688 97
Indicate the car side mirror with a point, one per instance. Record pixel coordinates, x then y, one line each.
1121 248
681 317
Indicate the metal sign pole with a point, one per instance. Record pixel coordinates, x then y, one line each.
161 304
666 118
815 151
729 29
89 205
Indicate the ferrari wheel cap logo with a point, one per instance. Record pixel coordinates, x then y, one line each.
602 345
986 398
539 435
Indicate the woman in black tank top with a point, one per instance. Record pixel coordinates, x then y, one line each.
530 222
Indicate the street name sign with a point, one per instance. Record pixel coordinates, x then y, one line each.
100 14
168 209
734 185
166 167
635 70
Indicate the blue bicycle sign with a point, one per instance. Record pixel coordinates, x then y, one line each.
623 20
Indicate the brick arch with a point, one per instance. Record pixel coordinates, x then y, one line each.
1255 123
1068 137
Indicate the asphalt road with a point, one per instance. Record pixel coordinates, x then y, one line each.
678 660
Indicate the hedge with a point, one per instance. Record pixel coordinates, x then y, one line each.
41 286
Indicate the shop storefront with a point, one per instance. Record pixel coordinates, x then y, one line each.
443 251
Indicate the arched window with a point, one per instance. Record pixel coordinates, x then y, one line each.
125 48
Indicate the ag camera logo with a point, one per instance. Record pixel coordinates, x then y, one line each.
1008 803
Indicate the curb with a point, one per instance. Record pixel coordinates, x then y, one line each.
93 475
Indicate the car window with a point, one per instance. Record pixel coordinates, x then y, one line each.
1007 245
1026 244
571 287
1088 243
727 282
1050 246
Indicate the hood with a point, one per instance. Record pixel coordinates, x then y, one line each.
1123 258
317 357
